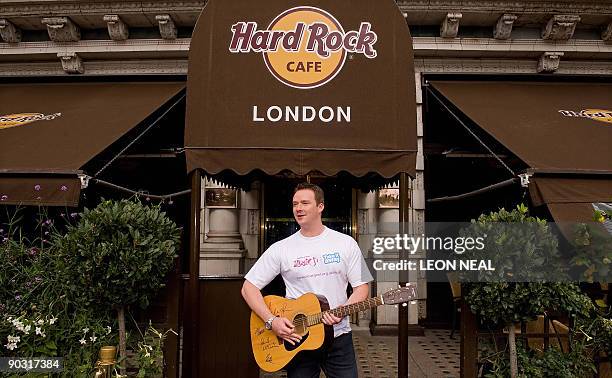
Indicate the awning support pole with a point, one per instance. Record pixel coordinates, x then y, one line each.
191 326
402 344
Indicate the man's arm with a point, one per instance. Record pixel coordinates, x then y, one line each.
360 293
252 296
282 327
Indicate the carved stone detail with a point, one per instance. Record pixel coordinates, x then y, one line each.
71 62
167 29
503 28
117 29
450 26
99 7
560 26
9 32
549 62
62 29
606 34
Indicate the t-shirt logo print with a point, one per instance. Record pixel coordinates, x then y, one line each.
305 261
331 258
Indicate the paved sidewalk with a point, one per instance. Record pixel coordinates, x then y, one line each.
433 355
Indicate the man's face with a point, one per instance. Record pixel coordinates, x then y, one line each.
305 208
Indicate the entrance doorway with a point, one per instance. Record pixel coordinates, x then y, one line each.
278 213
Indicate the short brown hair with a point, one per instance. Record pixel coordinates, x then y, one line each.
318 192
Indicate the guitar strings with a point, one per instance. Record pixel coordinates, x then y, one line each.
302 322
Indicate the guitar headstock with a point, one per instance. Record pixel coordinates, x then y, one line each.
400 295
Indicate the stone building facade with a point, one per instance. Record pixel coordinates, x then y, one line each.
57 38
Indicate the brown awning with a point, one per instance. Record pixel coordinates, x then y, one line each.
49 131
570 199
255 110
550 126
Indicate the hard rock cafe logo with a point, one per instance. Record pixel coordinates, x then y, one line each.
18 119
303 47
594 114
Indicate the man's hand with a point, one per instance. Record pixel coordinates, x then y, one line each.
330 319
283 328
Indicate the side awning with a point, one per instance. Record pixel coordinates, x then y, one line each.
571 199
550 126
48 132
562 131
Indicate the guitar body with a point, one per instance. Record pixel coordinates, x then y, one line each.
273 353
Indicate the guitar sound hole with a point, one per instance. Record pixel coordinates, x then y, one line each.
301 329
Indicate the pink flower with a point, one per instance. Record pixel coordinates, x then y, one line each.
63 188
37 187
4 197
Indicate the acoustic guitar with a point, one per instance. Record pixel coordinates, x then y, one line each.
306 313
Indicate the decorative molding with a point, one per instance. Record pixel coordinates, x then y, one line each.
106 47
9 32
503 28
428 46
606 34
599 7
506 66
450 25
422 65
167 29
62 29
117 29
560 27
63 7
549 62
423 47
71 62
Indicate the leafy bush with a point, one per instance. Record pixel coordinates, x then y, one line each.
56 287
38 317
122 252
529 280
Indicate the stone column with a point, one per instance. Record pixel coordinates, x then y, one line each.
222 249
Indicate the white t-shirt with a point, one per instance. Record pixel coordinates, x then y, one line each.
322 265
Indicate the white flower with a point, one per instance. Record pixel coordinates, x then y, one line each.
82 341
13 339
93 339
39 331
147 354
85 330
11 346
27 329
108 330
40 322
17 324
52 320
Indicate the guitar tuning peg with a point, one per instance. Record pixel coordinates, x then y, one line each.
412 302
404 304
407 284
399 286
395 306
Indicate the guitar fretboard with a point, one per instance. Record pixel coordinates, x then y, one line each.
343 311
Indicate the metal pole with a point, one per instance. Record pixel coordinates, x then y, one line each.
402 344
191 329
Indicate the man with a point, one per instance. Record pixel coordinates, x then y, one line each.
318 260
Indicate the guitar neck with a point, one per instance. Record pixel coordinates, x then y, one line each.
343 311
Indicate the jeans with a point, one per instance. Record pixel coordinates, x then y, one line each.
337 360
